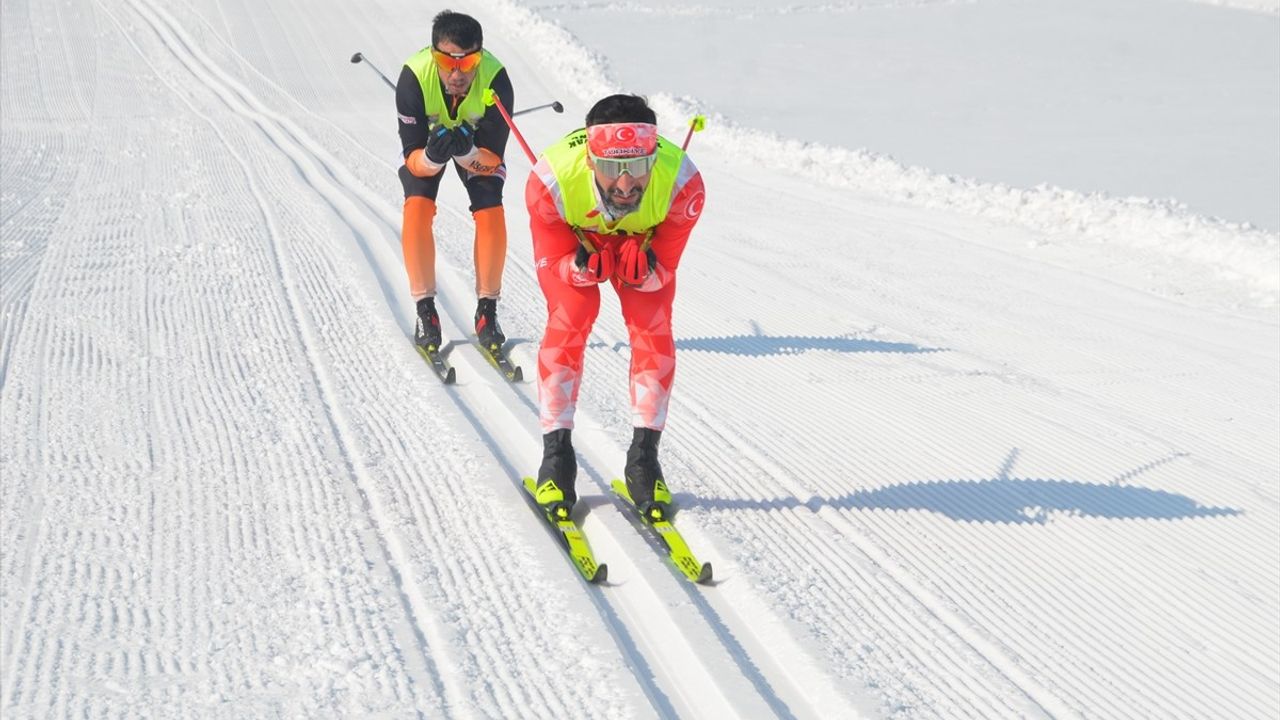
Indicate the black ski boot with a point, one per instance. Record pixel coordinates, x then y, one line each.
488 332
645 484
427 333
554 491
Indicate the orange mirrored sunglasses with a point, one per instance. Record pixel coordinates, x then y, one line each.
462 62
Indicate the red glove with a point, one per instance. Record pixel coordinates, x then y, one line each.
635 264
596 266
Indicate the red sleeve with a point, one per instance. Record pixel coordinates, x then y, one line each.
554 244
672 233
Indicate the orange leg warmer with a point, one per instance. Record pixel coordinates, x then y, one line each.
419 246
490 250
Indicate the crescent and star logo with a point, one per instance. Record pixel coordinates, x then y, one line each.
694 208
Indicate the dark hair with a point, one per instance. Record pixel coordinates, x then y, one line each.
462 30
621 109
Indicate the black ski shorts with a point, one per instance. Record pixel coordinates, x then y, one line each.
485 191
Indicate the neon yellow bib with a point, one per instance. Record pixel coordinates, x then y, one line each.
472 107
568 161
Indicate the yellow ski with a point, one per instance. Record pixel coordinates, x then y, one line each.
574 542
655 517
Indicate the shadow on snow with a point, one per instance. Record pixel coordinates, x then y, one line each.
1002 499
761 345
766 345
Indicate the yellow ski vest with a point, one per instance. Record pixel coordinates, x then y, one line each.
472 107
576 196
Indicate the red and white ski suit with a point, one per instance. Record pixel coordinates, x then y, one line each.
573 302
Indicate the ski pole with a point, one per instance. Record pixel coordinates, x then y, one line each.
697 124
491 98
358 57
554 105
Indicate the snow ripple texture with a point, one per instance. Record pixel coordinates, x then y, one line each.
938 477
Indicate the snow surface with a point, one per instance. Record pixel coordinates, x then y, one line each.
959 445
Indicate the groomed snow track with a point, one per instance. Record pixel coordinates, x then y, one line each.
232 489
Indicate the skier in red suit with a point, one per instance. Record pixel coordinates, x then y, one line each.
609 203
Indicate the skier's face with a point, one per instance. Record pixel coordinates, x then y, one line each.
621 194
450 61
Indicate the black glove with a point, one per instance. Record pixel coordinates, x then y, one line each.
440 145
464 138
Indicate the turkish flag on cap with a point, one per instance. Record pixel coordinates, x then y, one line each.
622 140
